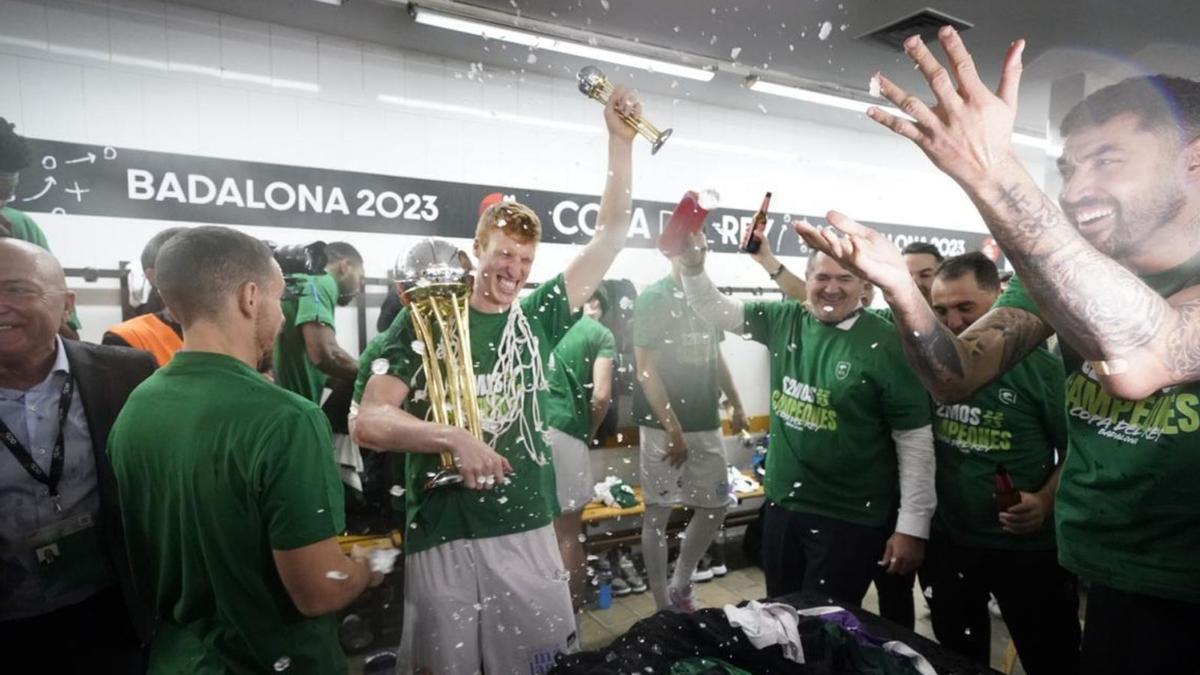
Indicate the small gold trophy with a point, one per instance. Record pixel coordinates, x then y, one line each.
595 85
435 283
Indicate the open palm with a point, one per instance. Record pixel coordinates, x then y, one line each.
863 251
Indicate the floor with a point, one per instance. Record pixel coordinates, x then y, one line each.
602 626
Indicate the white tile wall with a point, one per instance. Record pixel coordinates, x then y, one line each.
166 77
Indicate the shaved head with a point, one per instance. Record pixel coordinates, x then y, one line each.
34 304
40 262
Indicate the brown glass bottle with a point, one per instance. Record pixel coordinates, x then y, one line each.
1005 492
754 234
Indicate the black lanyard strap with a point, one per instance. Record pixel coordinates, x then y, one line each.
56 459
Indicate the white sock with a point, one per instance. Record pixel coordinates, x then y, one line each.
696 538
654 551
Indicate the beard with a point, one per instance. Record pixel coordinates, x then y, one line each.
1135 222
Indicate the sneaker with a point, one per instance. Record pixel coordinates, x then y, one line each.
719 570
620 587
703 571
630 573
682 599
604 572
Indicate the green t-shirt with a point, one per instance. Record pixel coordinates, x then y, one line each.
571 370
1017 421
216 468
528 501
315 302
26 229
836 396
882 312
1128 505
686 349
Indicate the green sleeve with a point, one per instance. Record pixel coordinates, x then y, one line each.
403 361
647 323
549 306
1054 397
1015 296
25 228
299 493
759 317
607 344
906 404
317 300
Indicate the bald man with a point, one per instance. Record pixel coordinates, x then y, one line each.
63 569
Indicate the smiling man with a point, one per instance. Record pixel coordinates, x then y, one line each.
484 581
846 431
1116 273
1017 422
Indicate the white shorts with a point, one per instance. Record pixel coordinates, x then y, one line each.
701 481
499 604
572 470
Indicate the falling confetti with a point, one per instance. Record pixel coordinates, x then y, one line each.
733 53
762 108
826 29
873 86
397 491
283 664
532 58
336 575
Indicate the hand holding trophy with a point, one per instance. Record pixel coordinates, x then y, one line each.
595 85
435 283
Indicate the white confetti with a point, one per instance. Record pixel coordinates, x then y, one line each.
532 58
733 53
762 108
873 86
418 347
397 491
709 199
604 4
283 664
379 366
826 29
337 575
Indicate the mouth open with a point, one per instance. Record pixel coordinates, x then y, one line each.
1092 218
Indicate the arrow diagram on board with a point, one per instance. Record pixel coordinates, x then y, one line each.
50 182
90 159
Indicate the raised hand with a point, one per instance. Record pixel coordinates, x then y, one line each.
968 132
621 102
863 251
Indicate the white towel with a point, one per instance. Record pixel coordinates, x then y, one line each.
773 623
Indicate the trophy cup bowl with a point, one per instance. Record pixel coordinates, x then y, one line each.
434 282
593 84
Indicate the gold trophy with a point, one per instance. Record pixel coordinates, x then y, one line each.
595 85
435 284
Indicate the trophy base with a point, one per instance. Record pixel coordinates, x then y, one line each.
662 138
442 478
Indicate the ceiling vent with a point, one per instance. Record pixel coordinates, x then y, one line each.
925 23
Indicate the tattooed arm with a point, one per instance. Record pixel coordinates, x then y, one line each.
951 367
1139 341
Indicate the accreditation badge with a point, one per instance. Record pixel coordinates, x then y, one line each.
70 556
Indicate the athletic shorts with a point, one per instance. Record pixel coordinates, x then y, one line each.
702 481
499 604
572 470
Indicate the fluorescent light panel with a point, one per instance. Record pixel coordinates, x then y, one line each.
855 105
535 41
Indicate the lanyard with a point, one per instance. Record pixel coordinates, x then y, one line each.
56 459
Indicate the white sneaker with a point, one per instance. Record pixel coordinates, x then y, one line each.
719 570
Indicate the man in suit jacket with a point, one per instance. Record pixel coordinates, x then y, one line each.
66 596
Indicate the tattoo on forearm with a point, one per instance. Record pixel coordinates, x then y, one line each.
1097 305
1183 343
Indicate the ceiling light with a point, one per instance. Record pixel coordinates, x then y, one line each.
537 41
861 105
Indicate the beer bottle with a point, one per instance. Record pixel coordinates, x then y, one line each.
1006 494
754 234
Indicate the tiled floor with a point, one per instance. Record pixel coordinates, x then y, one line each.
602 626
